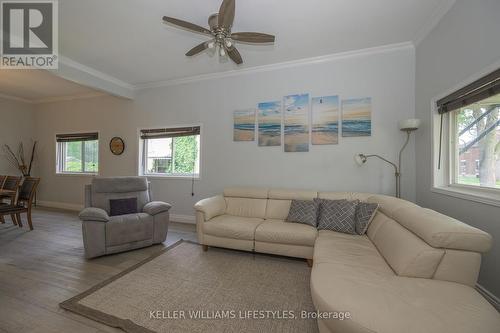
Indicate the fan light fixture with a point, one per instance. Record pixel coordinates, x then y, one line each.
220 32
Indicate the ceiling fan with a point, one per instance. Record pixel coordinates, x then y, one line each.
220 30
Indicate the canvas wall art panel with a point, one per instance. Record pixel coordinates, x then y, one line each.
269 122
244 125
296 119
325 120
356 117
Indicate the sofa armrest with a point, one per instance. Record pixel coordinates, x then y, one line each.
156 207
211 207
94 214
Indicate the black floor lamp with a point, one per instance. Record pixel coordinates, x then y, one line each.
408 126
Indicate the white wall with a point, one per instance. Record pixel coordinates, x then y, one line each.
463 44
16 126
388 77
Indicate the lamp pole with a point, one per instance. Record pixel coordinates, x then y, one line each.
408 132
397 174
407 126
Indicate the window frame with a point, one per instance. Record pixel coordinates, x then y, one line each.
142 155
443 179
455 162
58 170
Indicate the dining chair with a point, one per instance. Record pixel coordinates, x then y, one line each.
24 202
10 183
2 180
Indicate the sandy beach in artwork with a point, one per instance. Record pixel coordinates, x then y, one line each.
297 142
325 138
243 135
297 123
269 140
244 125
325 120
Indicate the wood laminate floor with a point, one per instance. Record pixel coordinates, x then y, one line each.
41 268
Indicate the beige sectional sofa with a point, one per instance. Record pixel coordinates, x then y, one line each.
414 271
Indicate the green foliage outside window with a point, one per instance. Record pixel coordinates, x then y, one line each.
185 154
76 151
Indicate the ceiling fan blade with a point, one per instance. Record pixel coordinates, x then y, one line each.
253 37
226 13
235 56
186 25
197 49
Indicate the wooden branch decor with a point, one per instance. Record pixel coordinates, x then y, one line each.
18 160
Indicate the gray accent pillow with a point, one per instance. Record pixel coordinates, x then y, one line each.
365 212
304 211
122 206
337 215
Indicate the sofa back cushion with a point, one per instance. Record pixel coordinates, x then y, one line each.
246 207
246 192
406 253
246 201
351 196
389 205
278 205
442 231
105 189
278 209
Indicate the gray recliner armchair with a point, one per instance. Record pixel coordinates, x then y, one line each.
104 234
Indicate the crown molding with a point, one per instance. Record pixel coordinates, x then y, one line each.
277 66
108 85
68 98
52 99
15 98
433 21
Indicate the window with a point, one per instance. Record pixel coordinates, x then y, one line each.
77 153
173 152
468 137
477 141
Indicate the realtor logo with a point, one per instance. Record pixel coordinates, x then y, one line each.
29 35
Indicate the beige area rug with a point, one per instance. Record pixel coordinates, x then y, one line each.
183 289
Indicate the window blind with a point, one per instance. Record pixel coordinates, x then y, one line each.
162 133
483 88
478 90
77 137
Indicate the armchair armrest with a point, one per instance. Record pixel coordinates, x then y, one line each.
94 214
156 207
211 207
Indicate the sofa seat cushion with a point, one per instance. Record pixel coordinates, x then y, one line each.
414 305
129 228
355 253
230 226
281 232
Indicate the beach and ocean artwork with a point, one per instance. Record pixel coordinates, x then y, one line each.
325 120
296 119
269 122
244 125
356 117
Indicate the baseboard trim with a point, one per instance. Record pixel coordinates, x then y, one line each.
494 300
179 218
59 205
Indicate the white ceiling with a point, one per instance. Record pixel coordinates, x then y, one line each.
118 45
126 39
37 86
